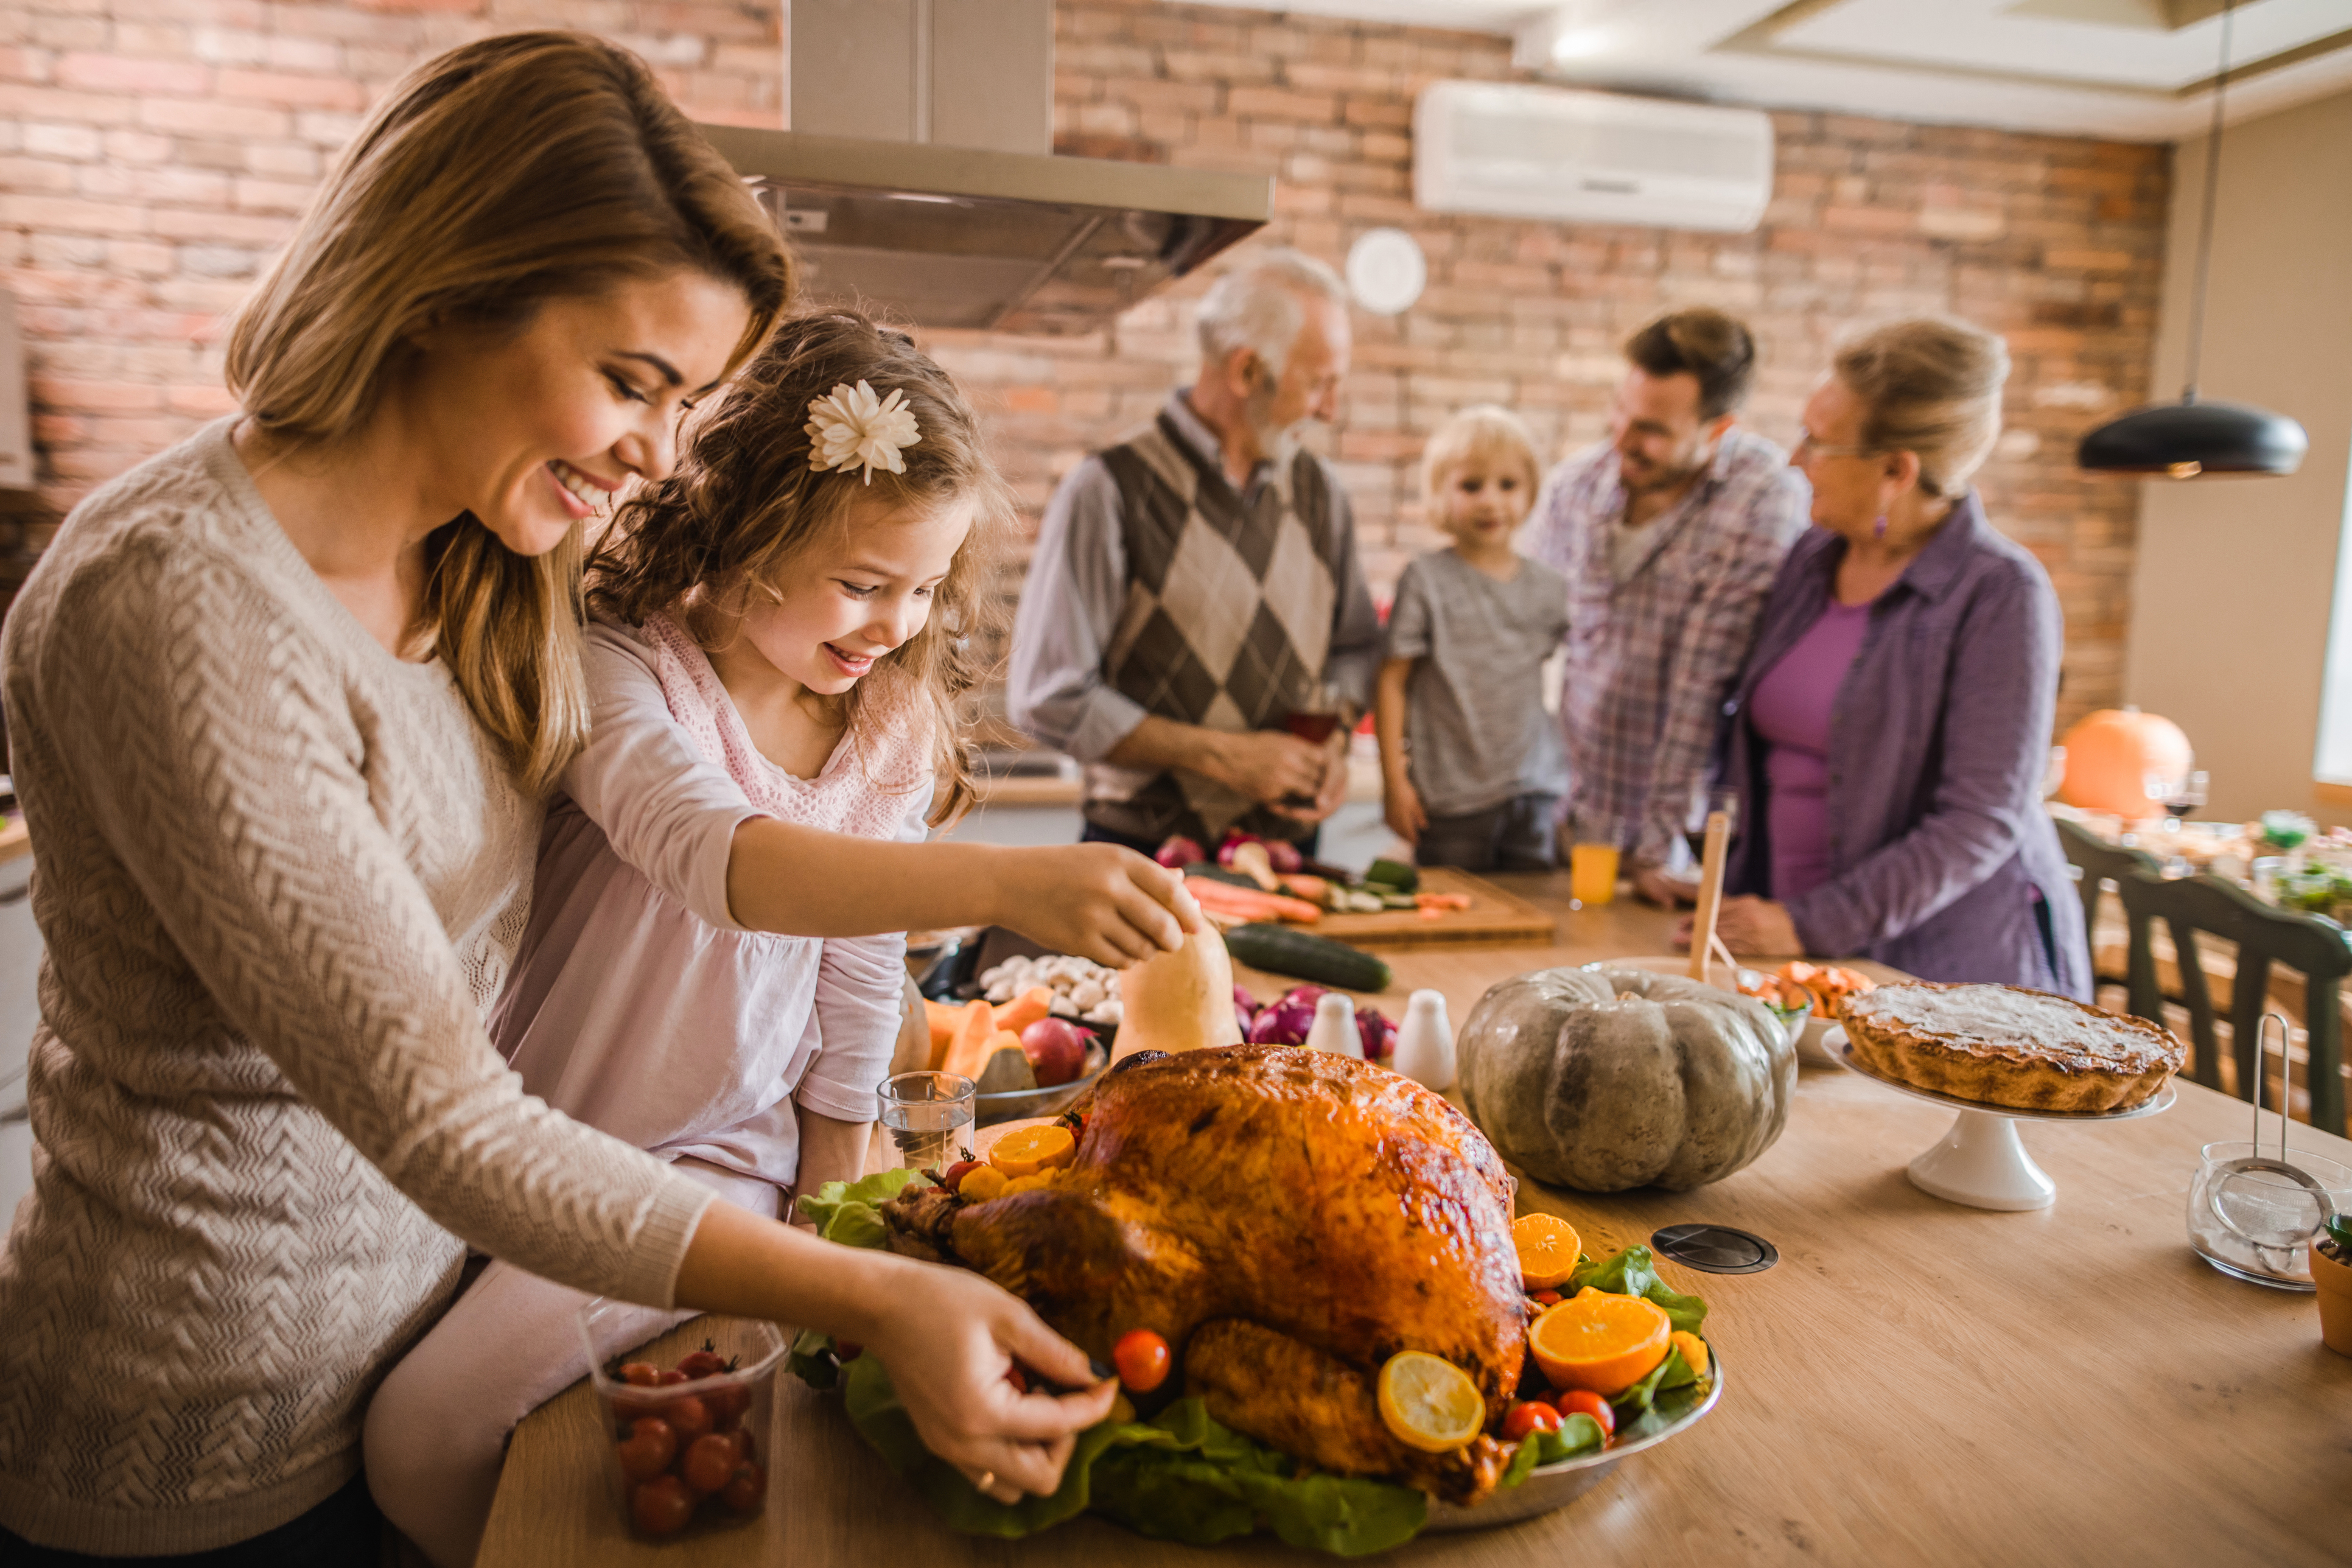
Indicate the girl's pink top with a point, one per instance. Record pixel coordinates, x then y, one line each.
637 1004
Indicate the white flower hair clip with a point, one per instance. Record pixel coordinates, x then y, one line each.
849 427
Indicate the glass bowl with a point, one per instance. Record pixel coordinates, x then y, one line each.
1016 1104
2258 1223
666 1473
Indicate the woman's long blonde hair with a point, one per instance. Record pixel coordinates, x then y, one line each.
492 178
745 501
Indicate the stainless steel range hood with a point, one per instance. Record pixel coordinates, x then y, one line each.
966 237
917 179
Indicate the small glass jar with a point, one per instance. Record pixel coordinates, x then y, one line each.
2257 1224
687 1457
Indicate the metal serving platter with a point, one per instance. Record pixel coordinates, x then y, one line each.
1556 1485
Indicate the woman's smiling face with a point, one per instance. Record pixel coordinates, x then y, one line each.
859 590
536 431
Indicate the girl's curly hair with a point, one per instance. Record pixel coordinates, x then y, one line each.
745 501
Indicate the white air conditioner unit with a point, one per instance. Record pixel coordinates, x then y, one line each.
1510 150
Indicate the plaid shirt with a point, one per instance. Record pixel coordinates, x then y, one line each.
1651 659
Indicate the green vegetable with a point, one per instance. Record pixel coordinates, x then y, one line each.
1278 950
2339 1231
1633 1272
851 1212
1578 1434
1395 874
1178 1477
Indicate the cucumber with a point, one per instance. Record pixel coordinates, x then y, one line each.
1396 874
1278 950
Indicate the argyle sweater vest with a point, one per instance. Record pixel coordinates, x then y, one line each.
1226 625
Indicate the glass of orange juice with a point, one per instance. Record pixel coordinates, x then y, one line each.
1592 858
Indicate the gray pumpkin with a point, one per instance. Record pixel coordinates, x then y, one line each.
1602 1079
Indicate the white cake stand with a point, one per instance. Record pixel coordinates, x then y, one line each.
1981 1161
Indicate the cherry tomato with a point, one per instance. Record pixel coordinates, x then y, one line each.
647 1451
671 1379
727 1403
709 1463
953 1176
747 1492
1546 1297
1142 1359
847 1349
702 1363
743 1449
1584 1402
640 1373
1533 1415
661 1505
689 1416
1018 1378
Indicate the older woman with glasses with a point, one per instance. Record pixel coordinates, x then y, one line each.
1889 728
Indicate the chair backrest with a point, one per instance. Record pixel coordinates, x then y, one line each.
2312 945
2101 863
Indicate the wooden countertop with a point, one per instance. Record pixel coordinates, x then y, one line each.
1914 1382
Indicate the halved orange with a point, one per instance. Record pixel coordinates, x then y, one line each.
1693 1349
1603 1342
1548 1248
1032 1150
1429 1403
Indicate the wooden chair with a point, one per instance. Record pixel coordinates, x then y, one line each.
2102 864
2314 946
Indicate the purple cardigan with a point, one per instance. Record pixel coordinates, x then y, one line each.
1938 842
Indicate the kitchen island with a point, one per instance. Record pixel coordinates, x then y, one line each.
1914 1382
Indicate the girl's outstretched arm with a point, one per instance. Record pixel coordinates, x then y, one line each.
1097 901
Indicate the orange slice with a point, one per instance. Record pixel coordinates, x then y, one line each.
1603 1342
982 1186
1429 1403
1032 1150
1693 1349
1548 1248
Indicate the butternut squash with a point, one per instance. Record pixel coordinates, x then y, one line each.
1025 1009
968 1057
975 1022
1181 1001
941 1018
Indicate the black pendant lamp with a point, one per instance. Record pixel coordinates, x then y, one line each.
2187 438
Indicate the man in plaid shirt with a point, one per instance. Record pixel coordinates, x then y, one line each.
1669 535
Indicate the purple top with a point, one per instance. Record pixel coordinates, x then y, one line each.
1792 712
1941 858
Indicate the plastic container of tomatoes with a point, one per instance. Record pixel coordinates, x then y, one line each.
684 1419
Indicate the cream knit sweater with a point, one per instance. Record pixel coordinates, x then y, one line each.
280 875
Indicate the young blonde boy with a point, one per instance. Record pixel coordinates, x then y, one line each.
1472 767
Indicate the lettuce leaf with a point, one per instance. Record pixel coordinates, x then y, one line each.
851 1212
1181 1476
1633 1272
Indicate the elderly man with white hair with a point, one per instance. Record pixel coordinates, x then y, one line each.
1197 584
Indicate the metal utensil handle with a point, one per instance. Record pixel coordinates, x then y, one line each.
2262 1056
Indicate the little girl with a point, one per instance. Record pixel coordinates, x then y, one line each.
780 632
1472 767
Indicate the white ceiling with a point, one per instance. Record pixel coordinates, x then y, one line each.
2140 69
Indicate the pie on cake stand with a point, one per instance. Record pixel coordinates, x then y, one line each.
1999 1055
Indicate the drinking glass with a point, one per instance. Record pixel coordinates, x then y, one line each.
1593 841
929 1115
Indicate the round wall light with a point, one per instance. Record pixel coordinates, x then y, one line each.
1386 270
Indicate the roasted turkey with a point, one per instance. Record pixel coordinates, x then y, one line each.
1288 1220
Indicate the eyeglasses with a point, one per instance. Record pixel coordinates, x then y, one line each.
1807 446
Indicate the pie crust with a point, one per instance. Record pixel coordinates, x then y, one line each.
2004 1045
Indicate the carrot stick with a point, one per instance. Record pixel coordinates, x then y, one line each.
1263 906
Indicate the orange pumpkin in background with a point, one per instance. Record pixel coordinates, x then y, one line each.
2109 755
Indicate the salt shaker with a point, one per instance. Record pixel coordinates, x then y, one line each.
1424 1048
1334 1029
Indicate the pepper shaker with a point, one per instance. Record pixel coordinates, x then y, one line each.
1425 1049
1334 1029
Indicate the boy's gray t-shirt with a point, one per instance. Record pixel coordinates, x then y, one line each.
1476 726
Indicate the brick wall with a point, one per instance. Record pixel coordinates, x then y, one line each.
2054 242
152 152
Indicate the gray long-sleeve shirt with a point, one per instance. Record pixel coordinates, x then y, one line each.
1077 583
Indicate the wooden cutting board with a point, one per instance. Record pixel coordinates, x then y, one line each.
1494 915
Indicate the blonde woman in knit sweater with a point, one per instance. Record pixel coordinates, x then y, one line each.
282 702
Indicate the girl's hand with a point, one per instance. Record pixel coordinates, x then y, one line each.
948 1349
1401 804
1098 901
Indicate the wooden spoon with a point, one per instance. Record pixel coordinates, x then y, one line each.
1710 895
